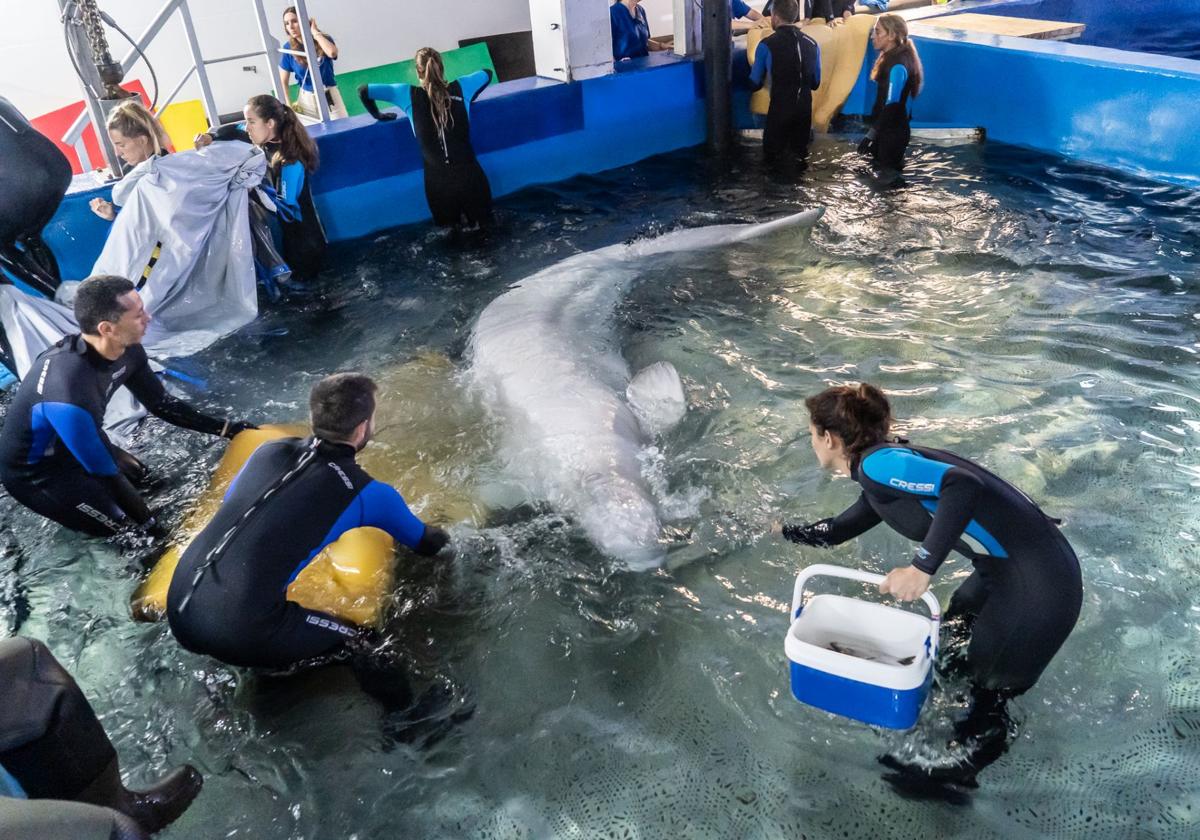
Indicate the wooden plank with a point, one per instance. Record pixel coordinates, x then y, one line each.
1053 30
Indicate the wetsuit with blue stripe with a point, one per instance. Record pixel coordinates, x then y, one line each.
791 61
228 597
289 187
456 186
54 456
1025 593
890 118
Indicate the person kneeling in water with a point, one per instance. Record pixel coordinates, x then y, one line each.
456 186
54 455
295 496
1024 596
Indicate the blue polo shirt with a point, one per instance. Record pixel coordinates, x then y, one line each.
629 34
292 65
738 9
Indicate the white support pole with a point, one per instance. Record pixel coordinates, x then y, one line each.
314 69
687 27
271 48
572 39
206 94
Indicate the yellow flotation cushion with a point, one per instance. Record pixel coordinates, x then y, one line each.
843 48
350 579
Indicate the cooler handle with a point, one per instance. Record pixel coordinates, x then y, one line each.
829 570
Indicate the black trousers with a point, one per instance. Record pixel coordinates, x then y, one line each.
73 499
892 138
1020 613
279 636
458 193
788 127
50 739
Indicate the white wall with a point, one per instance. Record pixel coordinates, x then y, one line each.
37 75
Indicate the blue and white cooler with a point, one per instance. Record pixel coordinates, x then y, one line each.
866 661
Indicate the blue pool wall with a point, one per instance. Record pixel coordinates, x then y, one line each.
1129 111
526 132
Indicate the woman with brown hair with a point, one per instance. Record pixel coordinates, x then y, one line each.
1023 597
898 77
291 159
456 186
327 53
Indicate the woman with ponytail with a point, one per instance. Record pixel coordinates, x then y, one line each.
291 160
456 186
1023 597
137 136
898 77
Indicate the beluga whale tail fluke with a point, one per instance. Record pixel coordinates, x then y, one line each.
546 361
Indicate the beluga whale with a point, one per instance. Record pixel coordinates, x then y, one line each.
573 421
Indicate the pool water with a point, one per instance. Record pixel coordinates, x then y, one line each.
1162 27
1036 315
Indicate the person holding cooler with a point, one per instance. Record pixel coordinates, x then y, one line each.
297 65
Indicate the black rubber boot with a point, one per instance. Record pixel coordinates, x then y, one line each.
152 809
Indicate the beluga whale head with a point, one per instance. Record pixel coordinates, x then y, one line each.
574 423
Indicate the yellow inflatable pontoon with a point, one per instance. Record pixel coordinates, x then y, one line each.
350 579
843 48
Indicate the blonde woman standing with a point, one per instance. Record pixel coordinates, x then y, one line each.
289 65
898 78
456 186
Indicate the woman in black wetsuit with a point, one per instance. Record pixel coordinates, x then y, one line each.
898 77
456 186
1023 597
291 159
34 177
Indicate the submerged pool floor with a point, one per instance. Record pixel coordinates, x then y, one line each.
1032 314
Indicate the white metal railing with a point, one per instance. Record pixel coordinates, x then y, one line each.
271 50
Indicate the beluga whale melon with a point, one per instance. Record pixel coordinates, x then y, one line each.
573 421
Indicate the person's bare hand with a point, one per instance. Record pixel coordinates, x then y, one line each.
202 140
103 209
312 24
907 583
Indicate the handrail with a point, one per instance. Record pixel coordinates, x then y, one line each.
271 50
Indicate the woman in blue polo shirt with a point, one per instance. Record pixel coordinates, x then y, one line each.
631 31
327 53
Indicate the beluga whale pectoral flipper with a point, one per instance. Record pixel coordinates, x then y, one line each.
545 360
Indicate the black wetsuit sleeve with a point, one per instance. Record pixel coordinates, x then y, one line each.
230 132
855 520
150 392
822 9
810 53
128 499
432 541
957 500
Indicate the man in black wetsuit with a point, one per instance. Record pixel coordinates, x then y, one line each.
1021 601
791 61
54 456
228 598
